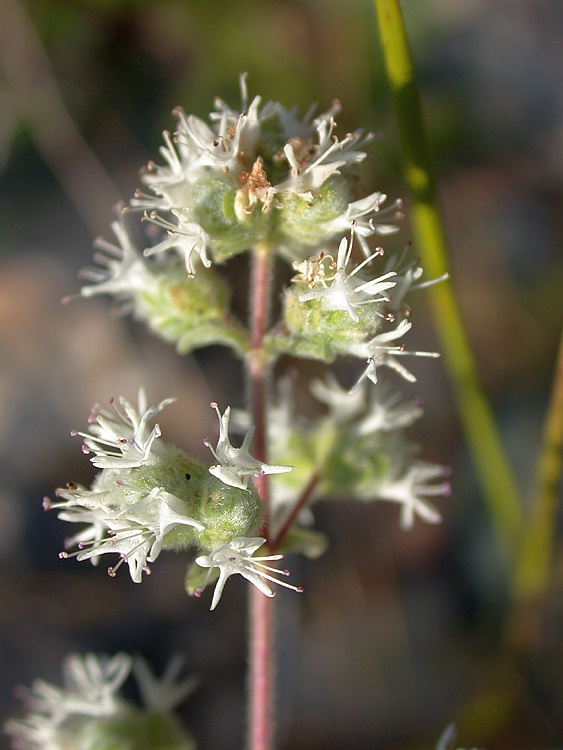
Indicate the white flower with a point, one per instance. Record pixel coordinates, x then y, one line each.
342 291
387 412
136 534
121 271
315 164
237 557
304 127
344 405
186 236
91 686
374 409
378 352
162 694
236 466
126 512
407 278
122 440
67 717
365 216
412 488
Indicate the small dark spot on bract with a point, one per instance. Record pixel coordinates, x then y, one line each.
188 476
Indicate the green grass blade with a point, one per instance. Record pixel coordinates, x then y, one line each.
493 468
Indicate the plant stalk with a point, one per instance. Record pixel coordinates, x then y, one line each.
261 635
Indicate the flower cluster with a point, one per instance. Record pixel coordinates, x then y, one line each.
268 180
261 176
89 712
262 173
358 451
151 496
332 309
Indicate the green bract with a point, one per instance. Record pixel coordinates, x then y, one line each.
190 313
319 333
303 222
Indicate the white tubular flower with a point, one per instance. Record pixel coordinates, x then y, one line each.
237 557
379 353
145 491
408 275
136 534
342 291
186 237
344 405
366 218
386 412
236 466
121 271
374 409
163 694
304 127
122 440
312 166
411 490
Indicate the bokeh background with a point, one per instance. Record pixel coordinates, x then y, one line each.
397 635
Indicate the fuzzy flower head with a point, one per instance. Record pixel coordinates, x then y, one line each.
236 466
149 495
238 557
261 173
89 712
121 439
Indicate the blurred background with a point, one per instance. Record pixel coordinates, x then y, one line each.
398 634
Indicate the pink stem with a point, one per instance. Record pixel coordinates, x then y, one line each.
294 512
261 607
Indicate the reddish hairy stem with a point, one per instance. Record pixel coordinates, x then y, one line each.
294 512
261 635
261 671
